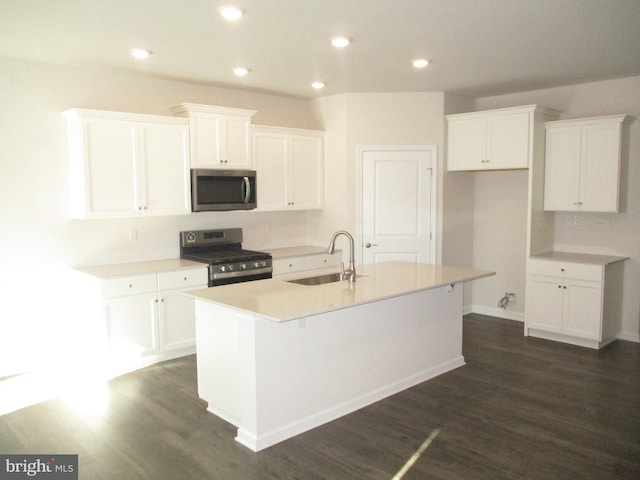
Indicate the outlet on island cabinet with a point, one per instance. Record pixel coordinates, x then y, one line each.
127 165
289 164
220 136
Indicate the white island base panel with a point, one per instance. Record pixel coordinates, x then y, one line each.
275 380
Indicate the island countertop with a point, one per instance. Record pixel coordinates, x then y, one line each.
279 300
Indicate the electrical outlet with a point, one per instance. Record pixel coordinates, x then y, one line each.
511 297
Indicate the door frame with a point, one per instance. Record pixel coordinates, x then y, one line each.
434 191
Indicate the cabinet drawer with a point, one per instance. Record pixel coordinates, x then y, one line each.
288 265
323 261
120 287
196 277
581 271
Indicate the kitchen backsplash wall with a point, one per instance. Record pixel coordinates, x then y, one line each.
34 180
609 233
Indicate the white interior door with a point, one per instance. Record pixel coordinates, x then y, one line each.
398 206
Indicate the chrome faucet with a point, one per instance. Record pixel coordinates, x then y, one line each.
350 272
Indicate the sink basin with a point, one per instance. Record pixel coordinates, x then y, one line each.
319 279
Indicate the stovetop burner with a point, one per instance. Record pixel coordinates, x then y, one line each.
224 256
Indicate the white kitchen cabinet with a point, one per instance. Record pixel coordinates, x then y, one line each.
220 136
491 140
582 164
303 258
289 163
574 298
146 317
125 165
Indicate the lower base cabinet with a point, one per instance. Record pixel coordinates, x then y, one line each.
147 319
577 303
292 263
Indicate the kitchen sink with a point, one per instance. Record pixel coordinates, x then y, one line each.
320 279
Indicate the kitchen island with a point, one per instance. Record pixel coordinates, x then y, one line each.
277 358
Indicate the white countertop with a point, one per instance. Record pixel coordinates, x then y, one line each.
571 257
279 300
139 268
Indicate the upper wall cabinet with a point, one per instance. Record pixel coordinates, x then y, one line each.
498 139
289 162
125 165
582 164
220 136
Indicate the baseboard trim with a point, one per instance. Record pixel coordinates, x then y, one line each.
628 336
494 312
257 442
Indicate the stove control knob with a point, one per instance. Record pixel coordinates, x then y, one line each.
230 267
243 266
223 268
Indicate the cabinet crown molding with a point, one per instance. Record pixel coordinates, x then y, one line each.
286 130
186 108
608 119
77 113
508 110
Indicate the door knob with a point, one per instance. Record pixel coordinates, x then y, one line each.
369 245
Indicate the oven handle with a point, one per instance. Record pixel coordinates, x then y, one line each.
241 273
247 189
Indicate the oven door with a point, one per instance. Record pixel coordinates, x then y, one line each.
218 190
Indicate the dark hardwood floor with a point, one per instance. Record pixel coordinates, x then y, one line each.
522 408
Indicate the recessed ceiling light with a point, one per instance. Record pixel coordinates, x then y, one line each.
419 62
140 53
231 13
241 71
340 42
318 85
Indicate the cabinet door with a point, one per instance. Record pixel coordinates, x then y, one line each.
177 320
305 172
205 141
544 303
220 141
508 141
582 309
600 168
270 153
236 142
164 162
131 327
110 168
562 167
467 147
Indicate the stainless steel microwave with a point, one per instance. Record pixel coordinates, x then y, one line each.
218 190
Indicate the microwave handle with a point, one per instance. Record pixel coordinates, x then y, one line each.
247 189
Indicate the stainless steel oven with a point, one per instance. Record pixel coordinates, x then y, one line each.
221 250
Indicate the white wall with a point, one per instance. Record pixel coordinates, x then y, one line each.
38 240
369 119
617 234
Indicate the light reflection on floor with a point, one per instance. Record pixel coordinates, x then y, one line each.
86 395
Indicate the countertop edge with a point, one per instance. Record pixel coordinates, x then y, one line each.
577 257
469 275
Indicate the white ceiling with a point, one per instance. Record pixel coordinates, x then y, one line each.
477 47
